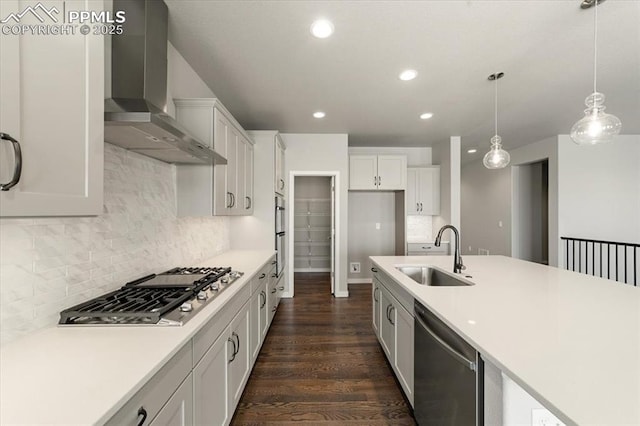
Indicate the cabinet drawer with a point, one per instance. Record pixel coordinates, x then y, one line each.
427 248
153 396
262 276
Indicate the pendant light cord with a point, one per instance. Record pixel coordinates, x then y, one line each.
496 104
595 43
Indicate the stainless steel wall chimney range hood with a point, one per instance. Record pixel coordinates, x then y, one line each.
134 117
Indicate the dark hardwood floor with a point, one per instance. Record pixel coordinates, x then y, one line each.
321 364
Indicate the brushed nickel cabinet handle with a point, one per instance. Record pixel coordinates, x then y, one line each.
17 168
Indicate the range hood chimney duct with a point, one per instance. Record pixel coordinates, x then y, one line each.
135 116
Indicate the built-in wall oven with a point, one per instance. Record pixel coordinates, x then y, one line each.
280 235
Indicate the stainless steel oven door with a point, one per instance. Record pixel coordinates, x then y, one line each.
280 252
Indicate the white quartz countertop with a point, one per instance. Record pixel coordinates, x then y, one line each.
571 340
84 375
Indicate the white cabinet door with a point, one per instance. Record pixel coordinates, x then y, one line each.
232 169
239 364
387 324
258 319
403 361
221 197
210 384
392 172
279 182
376 307
220 190
52 102
363 172
239 205
413 202
429 190
248 178
179 409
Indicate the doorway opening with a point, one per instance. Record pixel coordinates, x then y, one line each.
531 212
313 226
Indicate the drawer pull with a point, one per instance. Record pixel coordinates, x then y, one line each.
427 248
142 412
374 270
275 308
262 276
281 288
273 291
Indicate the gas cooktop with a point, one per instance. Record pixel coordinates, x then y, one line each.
170 298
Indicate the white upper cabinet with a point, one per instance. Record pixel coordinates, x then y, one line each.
218 189
279 182
52 103
423 191
378 172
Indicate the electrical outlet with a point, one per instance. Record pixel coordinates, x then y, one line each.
354 267
543 417
377 225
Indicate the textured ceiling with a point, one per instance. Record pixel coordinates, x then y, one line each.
262 62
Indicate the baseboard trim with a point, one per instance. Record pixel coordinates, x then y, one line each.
359 281
341 294
312 270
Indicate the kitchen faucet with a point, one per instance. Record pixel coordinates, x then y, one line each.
458 266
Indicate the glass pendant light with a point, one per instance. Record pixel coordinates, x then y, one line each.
496 158
596 126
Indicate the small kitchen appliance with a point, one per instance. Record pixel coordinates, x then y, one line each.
169 299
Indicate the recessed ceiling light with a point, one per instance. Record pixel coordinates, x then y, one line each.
319 114
407 75
426 115
322 28
472 150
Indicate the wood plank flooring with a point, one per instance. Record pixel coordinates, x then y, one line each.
321 364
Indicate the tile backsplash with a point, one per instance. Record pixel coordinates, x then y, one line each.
419 228
48 264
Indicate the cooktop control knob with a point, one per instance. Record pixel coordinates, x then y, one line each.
214 287
225 279
186 307
202 295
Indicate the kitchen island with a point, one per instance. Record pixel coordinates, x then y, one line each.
570 340
84 375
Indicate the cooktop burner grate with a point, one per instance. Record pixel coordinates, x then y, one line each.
131 305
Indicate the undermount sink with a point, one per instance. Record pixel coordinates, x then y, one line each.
425 275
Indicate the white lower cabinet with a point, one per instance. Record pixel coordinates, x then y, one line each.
220 376
150 401
403 360
239 367
394 327
210 384
179 410
376 307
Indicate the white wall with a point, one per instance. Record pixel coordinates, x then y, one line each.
594 192
324 152
447 156
366 209
600 189
487 200
49 264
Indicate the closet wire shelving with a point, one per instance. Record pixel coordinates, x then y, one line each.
312 237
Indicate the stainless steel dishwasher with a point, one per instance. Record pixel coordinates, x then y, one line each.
449 375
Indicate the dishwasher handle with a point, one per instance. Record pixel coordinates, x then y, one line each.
457 355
